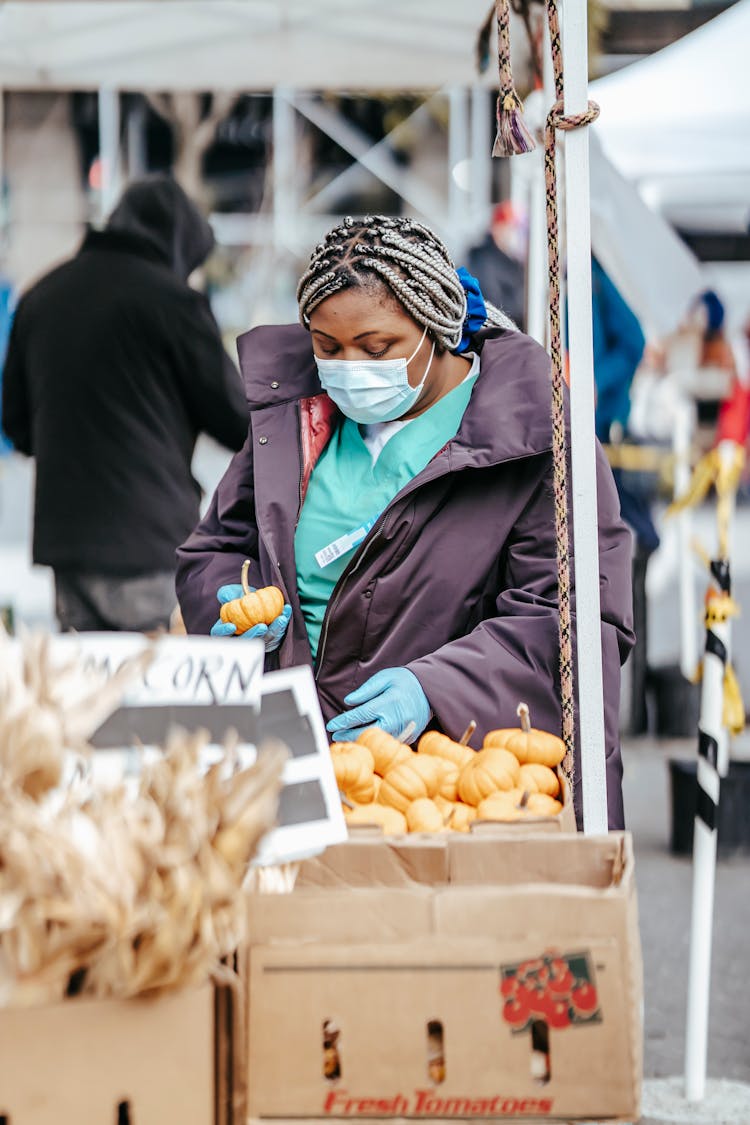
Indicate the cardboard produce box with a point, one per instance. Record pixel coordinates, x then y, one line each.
120 1062
493 976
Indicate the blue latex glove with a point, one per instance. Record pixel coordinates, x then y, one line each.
272 634
390 699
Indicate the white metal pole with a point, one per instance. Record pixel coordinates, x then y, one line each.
2 152
727 449
537 283
481 160
712 764
537 295
136 141
583 449
109 149
458 151
284 211
681 442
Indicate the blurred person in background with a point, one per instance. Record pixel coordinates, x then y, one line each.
716 350
734 413
716 366
497 263
619 344
115 366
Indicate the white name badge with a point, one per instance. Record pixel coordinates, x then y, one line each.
343 544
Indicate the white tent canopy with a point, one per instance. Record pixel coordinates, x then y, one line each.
240 44
679 121
653 269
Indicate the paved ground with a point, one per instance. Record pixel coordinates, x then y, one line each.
664 892
664 898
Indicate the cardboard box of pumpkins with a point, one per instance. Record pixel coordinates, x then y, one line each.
446 786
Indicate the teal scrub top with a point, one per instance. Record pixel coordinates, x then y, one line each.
347 492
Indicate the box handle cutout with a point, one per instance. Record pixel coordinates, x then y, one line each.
540 1062
435 1052
331 1057
123 1113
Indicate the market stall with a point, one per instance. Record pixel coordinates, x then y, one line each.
463 900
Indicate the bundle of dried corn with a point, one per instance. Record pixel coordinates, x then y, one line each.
48 709
56 910
127 893
116 891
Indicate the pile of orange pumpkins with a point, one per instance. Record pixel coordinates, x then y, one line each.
446 785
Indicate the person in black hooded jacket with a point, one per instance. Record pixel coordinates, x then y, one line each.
115 366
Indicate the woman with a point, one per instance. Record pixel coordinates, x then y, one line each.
396 484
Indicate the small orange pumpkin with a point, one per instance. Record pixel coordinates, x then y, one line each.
409 781
489 770
539 779
386 750
500 806
353 748
462 817
423 815
541 804
441 746
528 744
448 779
259 607
353 777
386 817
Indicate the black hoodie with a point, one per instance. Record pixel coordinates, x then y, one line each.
158 211
114 367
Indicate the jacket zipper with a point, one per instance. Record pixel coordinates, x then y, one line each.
301 462
331 607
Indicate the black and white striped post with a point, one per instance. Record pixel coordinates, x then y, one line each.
713 762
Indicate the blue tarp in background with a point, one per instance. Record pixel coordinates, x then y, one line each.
7 305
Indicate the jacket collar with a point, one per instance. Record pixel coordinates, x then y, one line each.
509 415
277 365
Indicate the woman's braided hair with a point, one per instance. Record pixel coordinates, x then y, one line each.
405 256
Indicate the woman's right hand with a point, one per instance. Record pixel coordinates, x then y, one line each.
272 635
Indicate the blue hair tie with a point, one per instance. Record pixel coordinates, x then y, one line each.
476 310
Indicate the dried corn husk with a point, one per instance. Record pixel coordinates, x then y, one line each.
142 891
124 890
49 709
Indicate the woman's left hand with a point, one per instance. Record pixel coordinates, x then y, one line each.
390 699
272 635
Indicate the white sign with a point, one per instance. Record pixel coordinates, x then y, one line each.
217 684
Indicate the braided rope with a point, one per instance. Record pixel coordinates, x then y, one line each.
556 119
512 136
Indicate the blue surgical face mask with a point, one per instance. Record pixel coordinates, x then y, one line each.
369 391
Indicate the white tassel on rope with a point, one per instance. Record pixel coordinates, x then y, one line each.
713 759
